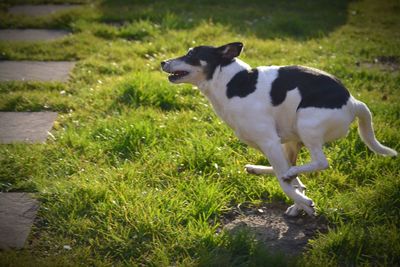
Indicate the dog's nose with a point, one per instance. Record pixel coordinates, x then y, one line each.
163 63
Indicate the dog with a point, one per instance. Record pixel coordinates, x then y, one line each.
277 110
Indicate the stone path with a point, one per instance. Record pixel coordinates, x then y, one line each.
31 34
28 127
17 212
39 10
35 70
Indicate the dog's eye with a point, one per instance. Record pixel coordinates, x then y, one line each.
190 53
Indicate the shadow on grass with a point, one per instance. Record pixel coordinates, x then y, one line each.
241 249
265 19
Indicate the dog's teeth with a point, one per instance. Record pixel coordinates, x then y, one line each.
179 73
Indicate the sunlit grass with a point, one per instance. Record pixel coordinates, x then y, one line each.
139 170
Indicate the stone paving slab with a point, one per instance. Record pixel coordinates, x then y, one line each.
27 127
17 212
35 70
39 10
31 34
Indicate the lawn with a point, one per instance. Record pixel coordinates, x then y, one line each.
140 172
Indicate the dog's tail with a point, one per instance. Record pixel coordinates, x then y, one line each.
366 130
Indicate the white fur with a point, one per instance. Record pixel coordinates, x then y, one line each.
277 131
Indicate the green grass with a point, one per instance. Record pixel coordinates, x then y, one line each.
140 171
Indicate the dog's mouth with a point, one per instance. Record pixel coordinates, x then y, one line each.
176 75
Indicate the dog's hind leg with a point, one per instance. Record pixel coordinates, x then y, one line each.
312 139
291 154
292 150
259 169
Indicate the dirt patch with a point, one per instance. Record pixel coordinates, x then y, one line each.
273 229
384 63
116 23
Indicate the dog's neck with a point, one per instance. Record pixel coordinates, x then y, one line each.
216 86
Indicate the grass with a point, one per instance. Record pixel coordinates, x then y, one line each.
140 171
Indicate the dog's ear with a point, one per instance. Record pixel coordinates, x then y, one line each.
230 51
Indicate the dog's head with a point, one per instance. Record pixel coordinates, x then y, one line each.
200 62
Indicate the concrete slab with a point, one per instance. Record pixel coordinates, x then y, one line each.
31 34
39 10
17 213
35 70
27 127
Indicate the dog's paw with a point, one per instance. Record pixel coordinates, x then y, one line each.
310 209
293 211
258 169
297 208
252 169
249 169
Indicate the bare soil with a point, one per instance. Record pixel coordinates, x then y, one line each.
383 63
273 229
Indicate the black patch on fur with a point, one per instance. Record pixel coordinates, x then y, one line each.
316 88
208 54
242 84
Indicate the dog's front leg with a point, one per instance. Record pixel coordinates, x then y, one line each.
292 150
274 152
296 208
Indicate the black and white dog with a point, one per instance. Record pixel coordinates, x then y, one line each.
277 110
